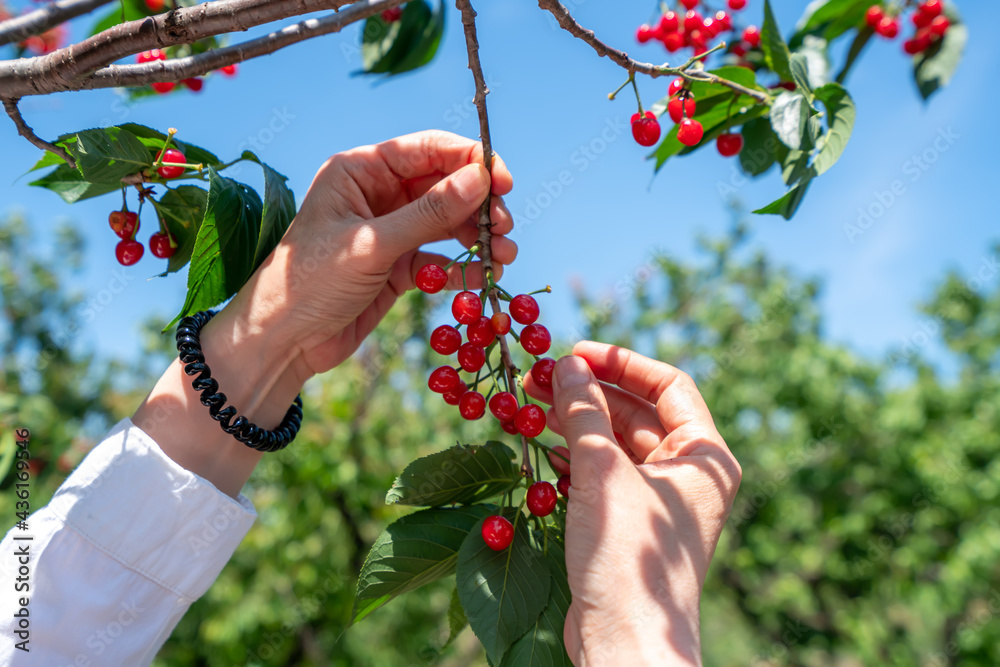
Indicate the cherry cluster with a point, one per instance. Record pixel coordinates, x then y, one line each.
194 84
681 108
125 223
693 30
928 18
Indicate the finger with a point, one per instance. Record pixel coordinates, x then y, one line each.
435 215
558 456
672 391
503 249
423 154
583 417
500 217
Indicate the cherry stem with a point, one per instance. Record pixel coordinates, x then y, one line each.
630 79
485 224
545 290
171 131
642 114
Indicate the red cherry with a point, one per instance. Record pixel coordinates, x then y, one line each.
509 427
481 332
159 245
471 357
443 379
669 23
918 44
128 252
673 41
646 129
524 309
431 278
536 339
229 70
497 533
739 50
503 406
675 86
169 171
939 26
689 4
737 5
563 486
500 322
472 405
752 35
681 108
541 372
697 39
194 84
692 21
530 420
124 223
787 85
151 55
392 14
932 7
874 16
163 87
541 498
446 339
921 19
690 132
888 28
644 33
724 20
711 27
729 144
454 396
467 308
155 5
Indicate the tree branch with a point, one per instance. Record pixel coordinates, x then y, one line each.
60 70
570 25
485 224
21 27
10 106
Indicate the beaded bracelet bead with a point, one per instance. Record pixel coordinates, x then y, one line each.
189 350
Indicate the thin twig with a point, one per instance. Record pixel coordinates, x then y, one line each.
570 25
485 224
10 106
39 20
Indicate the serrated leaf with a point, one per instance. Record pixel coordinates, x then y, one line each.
789 114
279 210
788 204
542 645
423 51
70 184
934 68
461 474
403 45
456 618
773 45
800 75
830 19
759 144
840 113
223 250
153 139
106 155
502 592
182 210
415 550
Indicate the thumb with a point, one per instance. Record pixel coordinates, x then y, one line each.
434 215
583 415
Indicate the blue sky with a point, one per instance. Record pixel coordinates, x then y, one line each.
548 104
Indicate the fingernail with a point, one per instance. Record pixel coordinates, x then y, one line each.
470 183
571 371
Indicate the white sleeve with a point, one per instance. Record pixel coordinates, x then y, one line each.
128 542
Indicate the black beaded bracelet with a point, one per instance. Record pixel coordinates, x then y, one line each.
251 435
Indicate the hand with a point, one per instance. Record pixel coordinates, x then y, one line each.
652 485
353 248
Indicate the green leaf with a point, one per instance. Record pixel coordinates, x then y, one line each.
182 210
934 68
456 618
502 592
789 202
427 45
840 114
279 210
759 145
462 474
223 251
773 45
789 114
124 10
70 184
794 166
714 122
830 19
153 140
542 645
800 75
404 45
415 550
106 155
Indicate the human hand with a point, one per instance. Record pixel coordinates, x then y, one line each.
354 246
652 485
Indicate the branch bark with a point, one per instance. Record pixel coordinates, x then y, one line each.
622 59
38 21
485 224
10 106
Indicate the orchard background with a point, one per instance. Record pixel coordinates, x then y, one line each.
865 531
